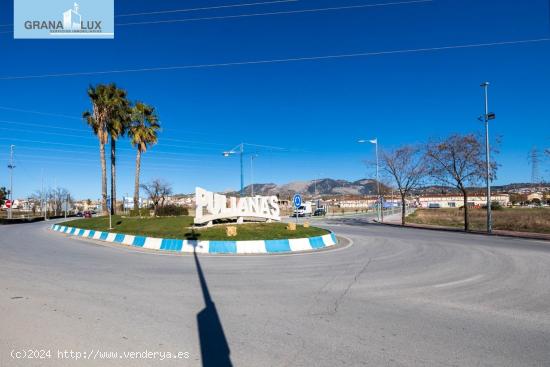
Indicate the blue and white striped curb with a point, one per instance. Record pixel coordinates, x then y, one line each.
207 247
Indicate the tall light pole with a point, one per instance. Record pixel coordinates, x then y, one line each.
42 199
66 205
252 157
239 149
486 117
11 166
317 178
379 201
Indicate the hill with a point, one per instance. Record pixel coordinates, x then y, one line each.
323 187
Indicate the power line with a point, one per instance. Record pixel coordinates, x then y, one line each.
130 162
86 132
153 154
40 113
285 12
91 162
276 61
22 123
186 131
191 9
315 10
89 146
205 8
50 133
92 138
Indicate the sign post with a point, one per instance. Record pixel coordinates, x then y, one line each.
109 208
297 201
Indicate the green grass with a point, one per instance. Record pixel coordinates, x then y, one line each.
510 219
178 227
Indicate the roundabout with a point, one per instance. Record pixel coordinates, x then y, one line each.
265 238
391 299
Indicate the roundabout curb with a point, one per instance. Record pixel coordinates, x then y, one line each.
205 247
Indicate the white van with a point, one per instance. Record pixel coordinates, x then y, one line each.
305 210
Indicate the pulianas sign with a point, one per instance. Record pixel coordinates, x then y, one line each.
211 206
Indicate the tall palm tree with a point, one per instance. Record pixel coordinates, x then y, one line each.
143 132
105 100
116 127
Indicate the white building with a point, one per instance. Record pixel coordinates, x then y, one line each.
456 201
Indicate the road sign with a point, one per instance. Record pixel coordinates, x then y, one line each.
297 201
8 204
109 202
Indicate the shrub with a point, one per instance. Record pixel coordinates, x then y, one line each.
172 210
143 212
495 205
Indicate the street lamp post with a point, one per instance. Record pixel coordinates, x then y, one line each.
240 150
11 166
486 117
379 201
252 157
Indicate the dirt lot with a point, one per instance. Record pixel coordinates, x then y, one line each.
510 219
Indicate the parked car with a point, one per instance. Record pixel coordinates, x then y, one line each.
320 212
87 214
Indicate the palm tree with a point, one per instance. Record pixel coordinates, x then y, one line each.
143 132
116 126
105 100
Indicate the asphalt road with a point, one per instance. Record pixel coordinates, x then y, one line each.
395 297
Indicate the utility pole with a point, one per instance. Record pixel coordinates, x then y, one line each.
11 166
379 213
486 117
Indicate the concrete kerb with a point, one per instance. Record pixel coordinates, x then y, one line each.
205 247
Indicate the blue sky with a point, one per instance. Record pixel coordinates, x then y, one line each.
315 109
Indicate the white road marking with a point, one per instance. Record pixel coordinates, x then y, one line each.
470 279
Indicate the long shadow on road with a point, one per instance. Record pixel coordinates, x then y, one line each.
214 348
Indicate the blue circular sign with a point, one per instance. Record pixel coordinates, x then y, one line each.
297 200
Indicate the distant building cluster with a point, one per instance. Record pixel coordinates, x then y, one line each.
517 196
456 201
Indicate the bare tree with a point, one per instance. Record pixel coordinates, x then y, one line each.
406 166
58 196
459 160
157 191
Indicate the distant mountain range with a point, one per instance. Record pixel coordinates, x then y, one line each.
331 187
324 187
